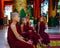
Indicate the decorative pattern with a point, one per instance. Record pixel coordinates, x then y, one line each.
53 44
20 4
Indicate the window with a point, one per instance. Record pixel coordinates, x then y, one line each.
7 11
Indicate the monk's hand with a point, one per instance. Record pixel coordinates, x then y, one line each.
30 30
23 32
30 42
21 37
38 34
33 28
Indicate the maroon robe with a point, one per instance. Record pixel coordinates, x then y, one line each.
43 34
31 35
14 42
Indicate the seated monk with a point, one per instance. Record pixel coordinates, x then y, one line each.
28 32
40 28
15 39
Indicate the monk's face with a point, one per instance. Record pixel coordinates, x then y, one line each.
24 21
27 19
38 23
41 19
17 18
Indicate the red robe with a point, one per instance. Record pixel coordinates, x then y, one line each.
31 35
15 43
43 34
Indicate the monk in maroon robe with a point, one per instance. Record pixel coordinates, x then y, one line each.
40 28
29 32
15 39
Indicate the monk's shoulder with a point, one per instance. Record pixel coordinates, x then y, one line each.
13 26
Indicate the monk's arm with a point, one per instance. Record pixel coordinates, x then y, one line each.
22 28
17 35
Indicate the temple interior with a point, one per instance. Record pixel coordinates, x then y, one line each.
33 9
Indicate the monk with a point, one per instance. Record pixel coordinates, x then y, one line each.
29 32
40 28
15 39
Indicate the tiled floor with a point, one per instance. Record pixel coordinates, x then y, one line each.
3 36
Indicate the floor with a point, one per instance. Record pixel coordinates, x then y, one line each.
52 30
3 36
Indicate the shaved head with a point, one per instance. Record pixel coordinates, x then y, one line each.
15 16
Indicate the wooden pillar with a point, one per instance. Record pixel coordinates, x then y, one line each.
1 8
51 12
36 8
1 13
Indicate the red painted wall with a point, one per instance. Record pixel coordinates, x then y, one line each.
1 8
